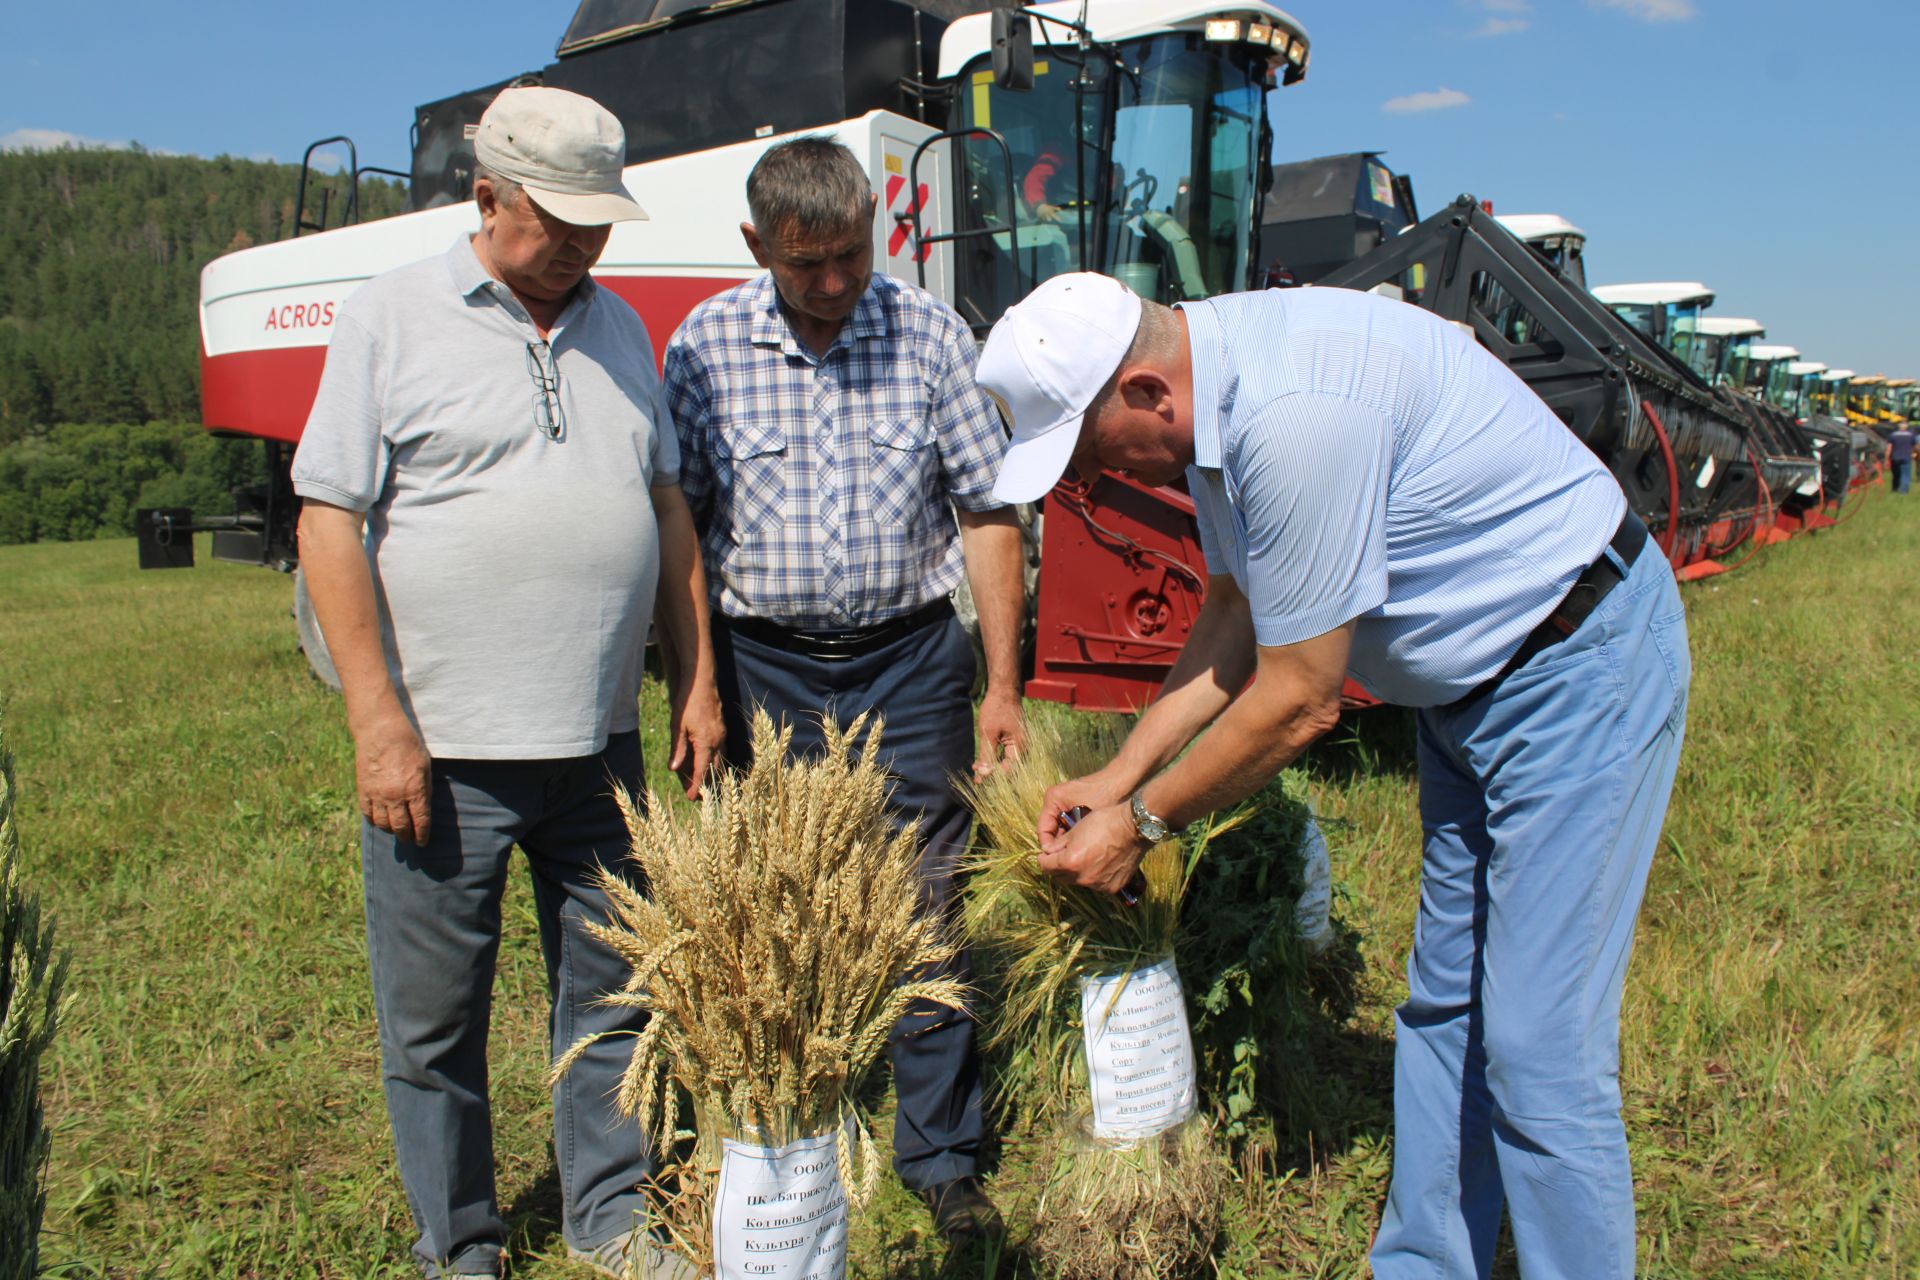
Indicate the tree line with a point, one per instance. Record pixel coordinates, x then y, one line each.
99 331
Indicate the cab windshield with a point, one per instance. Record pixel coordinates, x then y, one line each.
1147 170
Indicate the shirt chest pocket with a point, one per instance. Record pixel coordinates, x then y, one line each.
902 456
755 455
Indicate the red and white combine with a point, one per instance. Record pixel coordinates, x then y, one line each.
1009 145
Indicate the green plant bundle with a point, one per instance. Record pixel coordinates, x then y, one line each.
1140 1210
778 944
31 976
1039 936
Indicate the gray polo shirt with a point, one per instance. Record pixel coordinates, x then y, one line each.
515 573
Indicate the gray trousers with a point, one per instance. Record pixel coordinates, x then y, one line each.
433 933
923 685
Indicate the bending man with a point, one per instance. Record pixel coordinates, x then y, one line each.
1378 496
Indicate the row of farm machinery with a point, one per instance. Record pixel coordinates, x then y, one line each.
1723 444
1007 145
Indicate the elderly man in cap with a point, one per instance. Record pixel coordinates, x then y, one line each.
839 461
492 516
1378 496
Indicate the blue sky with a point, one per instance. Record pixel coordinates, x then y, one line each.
1766 148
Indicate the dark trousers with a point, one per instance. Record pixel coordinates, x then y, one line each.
1902 473
433 933
923 685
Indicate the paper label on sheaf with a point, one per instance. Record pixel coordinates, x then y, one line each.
1139 1051
780 1213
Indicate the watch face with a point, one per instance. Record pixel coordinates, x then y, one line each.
1149 827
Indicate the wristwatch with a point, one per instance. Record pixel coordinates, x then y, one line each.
1151 829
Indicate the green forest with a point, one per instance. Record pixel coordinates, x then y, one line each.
99 340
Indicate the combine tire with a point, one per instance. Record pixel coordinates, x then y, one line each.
312 643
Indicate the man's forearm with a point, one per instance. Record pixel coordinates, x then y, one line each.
1294 700
1249 743
333 560
1213 666
992 544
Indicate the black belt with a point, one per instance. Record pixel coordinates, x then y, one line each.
838 646
1588 590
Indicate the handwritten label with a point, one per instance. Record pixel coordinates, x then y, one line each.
1139 1051
780 1213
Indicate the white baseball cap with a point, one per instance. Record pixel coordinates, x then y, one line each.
565 149
1044 362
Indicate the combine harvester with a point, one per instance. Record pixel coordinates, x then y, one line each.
1155 114
1698 465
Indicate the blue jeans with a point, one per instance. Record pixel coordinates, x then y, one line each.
923 685
1902 473
1542 803
433 933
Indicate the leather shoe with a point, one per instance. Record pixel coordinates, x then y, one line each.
961 1211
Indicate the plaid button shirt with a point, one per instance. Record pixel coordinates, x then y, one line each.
821 484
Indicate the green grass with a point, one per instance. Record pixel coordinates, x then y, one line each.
186 802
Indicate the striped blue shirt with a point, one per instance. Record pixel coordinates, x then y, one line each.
821 484
1360 458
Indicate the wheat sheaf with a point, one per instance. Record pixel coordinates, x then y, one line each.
778 943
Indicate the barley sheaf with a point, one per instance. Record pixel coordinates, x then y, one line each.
777 945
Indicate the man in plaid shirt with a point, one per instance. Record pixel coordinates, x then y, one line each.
840 462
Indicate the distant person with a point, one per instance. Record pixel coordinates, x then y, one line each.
1379 496
839 461
491 497
1900 454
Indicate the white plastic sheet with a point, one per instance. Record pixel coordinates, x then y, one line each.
1139 1051
780 1213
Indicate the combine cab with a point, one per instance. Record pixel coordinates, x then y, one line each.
1562 244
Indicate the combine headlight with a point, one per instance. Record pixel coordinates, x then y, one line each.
1297 55
1259 33
1223 28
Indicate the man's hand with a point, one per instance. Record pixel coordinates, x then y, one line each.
1003 732
698 732
1094 792
1100 852
394 774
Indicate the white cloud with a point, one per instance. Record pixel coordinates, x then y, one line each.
1431 100
1502 26
1653 10
53 140
332 160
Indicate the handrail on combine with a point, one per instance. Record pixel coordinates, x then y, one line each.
353 170
910 217
300 222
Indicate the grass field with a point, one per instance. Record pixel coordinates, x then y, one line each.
188 813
